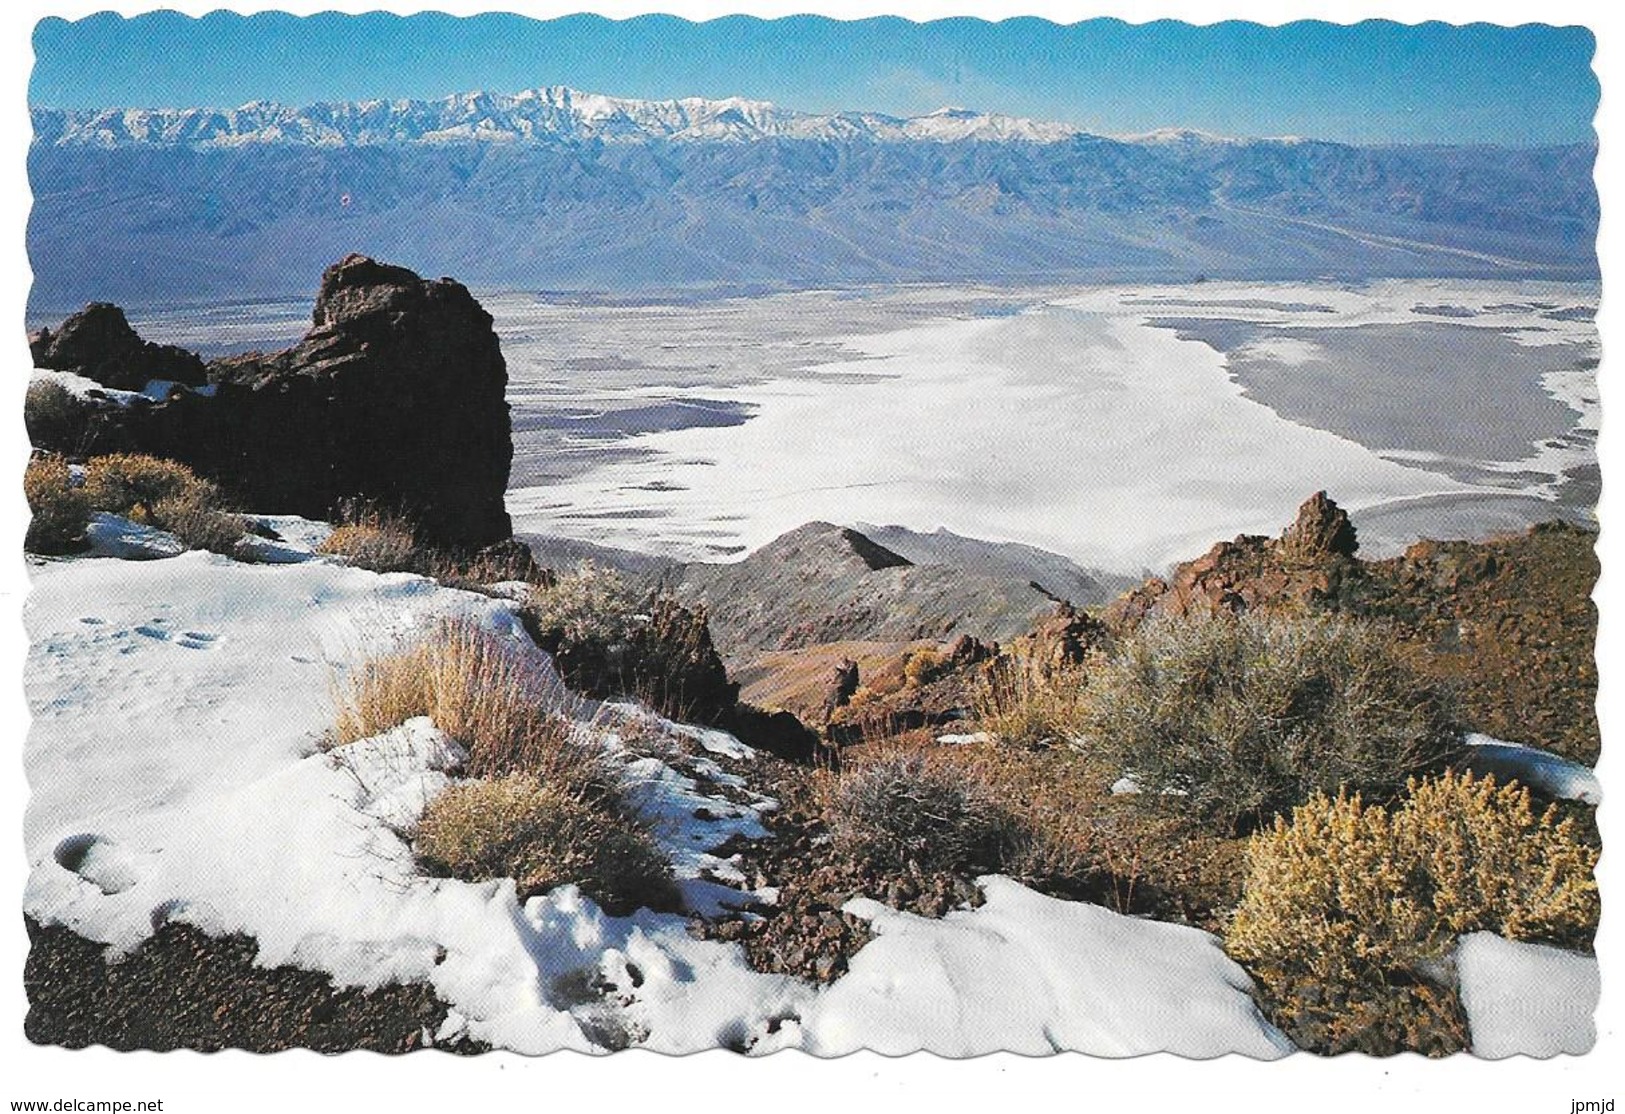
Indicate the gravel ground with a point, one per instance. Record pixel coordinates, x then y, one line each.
185 989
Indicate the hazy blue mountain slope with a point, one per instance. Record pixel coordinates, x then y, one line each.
134 216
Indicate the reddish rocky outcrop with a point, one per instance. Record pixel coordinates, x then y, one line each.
842 684
1064 639
1311 563
394 397
1506 623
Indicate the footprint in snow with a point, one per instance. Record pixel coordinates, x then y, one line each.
191 640
99 860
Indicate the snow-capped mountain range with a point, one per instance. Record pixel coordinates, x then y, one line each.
562 190
535 115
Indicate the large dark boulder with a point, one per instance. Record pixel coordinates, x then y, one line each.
98 343
395 397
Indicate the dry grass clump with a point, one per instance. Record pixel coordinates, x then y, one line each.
1350 910
1026 703
166 495
543 835
55 417
1075 839
479 690
898 813
1246 716
373 539
59 507
197 520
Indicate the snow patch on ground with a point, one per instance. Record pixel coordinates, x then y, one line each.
155 390
1540 770
1526 999
1035 975
110 535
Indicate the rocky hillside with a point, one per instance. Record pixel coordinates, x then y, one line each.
1508 622
395 396
821 583
1056 575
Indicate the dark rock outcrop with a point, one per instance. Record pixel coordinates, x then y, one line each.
1321 530
966 651
665 660
778 733
395 397
843 683
98 343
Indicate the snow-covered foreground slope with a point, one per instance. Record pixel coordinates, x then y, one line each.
1526 999
176 774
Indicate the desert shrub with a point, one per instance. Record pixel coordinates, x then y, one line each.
1026 703
1246 716
196 519
924 666
1077 840
543 835
509 560
592 604
59 507
370 538
133 484
1350 910
56 418
610 641
898 813
167 495
478 689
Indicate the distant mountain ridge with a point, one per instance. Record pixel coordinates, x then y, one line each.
561 190
534 115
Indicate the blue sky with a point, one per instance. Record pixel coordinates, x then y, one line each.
1370 82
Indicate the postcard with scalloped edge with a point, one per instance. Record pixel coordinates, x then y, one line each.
809 534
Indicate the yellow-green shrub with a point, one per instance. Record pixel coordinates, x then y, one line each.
164 494
133 484
1245 716
592 604
1349 910
923 666
59 507
371 539
543 835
